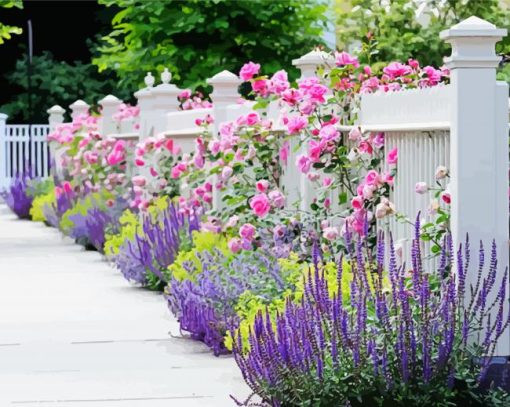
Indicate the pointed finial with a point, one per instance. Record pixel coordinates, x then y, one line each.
149 80
166 76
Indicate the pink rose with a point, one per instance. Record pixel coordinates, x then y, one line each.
355 134
232 221
139 162
284 152
234 245
139 180
314 150
357 202
441 172
277 199
372 178
226 172
252 119
295 124
446 197
421 187
260 205
329 133
260 86
326 182
330 233
262 185
392 157
303 163
247 231
344 58
248 71
396 69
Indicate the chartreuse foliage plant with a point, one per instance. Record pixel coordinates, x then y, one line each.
193 38
421 341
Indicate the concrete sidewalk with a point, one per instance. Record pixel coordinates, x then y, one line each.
73 332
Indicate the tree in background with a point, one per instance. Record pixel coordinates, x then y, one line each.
406 28
6 31
196 39
56 82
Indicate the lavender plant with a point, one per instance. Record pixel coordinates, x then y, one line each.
18 197
145 258
410 345
205 304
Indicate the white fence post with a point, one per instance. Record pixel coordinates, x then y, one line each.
225 92
145 99
79 107
56 117
308 65
110 105
165 101
4 179
479 142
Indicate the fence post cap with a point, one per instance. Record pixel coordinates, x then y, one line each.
166 76
3 116
473 44
79 103
110 100
315 57
472 27
224 77
56 109
149 80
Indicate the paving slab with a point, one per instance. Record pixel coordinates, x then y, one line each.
74 333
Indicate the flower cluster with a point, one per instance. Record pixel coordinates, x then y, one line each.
19 196
189 100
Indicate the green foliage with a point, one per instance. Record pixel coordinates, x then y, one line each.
400 36
38 204
6 31
129 223
197 38
56 82
202 241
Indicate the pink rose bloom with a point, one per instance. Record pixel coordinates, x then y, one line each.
295 124
421 187
314 150
313 176
249 70
284 152
207 198
381 210
291 96
446 197
330 233
433 75
368 191
326 182
277 199
397 69
153 172
260 86
260 205
316 93
185 94
67 187
303 163
388 178
329 133
227 129
120 145
139 162
441 172
343 58
357 202
252 118
234 245
90 157
247 231
365 147
355 134
116 157
372 178
378 140
279 82
262 185
162 183
392 157
232 221
226 172
139 180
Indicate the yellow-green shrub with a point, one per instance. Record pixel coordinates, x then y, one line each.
38 204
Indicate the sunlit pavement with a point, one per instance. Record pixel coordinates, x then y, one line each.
73 332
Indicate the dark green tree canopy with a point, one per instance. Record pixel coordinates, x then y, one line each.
197 38
56 82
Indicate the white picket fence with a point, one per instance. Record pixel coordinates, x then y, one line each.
463 126
23 147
